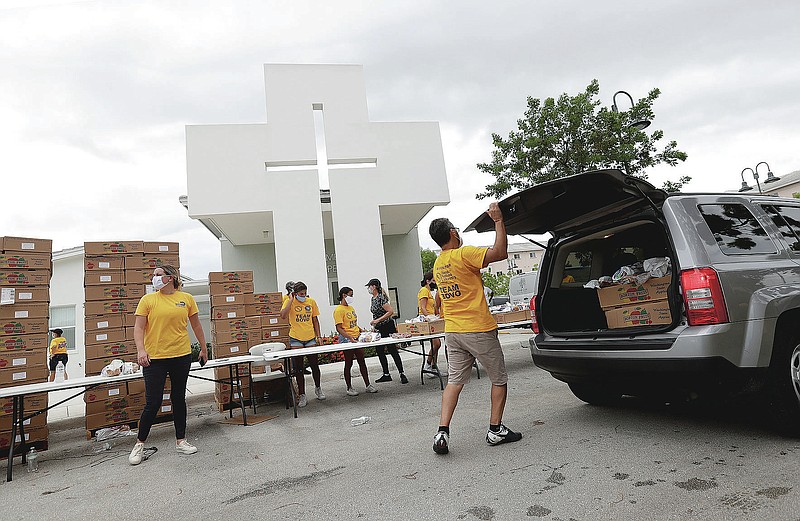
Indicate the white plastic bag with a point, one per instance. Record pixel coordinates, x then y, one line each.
658 267
118 367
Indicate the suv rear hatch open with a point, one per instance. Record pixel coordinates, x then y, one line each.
600 221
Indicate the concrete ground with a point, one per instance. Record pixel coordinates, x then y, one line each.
576 461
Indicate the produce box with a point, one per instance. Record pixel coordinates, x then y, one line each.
421 328
636 315
512 316
624 294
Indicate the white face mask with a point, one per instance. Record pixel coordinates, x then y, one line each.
158 282
369 291
349 300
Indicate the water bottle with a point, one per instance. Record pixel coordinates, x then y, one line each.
33 460
360 421
59 372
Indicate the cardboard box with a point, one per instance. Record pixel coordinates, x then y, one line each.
25 244
106 336
110 350
108 307
116 403
161 247
27 295
22 359
28 261
23 375
258 339
99 322
24 277
127 291
624 294
23 326
226 288
230 276
636 315
150 261
114 417
266 298
113 248
24 310
224 397
273 320
95 365
263 309
106 391
228 312
235 336
232 324
31 436
228 372
138 387
274 334
143 276
32 403
229 350
116 263
20 342
421 328
512 316
104 278
38 421
227 300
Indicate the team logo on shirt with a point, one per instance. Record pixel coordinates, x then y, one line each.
180 304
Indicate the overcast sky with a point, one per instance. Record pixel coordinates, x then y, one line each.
95 95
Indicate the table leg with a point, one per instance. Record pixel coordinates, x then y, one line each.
241 396
15 406
289 388
422 369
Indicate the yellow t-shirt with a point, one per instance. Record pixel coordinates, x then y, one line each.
346 316
165 335
301 327
283 300
430 307
58 346
458 275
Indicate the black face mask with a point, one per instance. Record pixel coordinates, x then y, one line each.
432 285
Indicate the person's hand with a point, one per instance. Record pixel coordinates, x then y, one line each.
144 359
203 355
494 212
372 322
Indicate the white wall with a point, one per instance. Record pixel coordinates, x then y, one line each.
258 258
66 289
404 269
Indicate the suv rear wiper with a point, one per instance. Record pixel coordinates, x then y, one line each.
539 244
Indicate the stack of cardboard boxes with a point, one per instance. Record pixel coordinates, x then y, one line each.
25 270
240 319
117 274
633 305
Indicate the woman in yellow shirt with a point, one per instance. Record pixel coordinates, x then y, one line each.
346 320
163 348
303 313
427 306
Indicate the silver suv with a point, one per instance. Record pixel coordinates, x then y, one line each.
730 311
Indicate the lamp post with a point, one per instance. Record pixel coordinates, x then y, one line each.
745 187
771 178
640 124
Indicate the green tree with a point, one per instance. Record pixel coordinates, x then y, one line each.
497 282
573 134
428 258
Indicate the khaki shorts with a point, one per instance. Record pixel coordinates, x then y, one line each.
464 348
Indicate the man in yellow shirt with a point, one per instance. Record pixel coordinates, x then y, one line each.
470 330
58 353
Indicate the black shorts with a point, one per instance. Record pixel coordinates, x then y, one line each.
54 359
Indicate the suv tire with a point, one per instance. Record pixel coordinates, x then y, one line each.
784 383
595 393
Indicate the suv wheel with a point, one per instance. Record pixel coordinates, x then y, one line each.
784 383
595 393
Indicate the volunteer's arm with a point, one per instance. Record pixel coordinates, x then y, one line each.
197 327
499 250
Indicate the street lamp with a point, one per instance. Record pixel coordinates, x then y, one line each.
745 187
639 124
771 178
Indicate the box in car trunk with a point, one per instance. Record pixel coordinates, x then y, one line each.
637 315
625 294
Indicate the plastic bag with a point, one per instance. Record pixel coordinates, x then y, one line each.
118 367
658 267
117 431
369 336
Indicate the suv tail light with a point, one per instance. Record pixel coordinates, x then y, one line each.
534 323
702 294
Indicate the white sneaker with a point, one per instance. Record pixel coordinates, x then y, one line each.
302 402
351 392
184 447
371 389
428 367
136 454
319 393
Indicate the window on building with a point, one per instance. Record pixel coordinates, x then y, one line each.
533 255
736 230
516 255
63 317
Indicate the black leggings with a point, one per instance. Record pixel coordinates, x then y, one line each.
155 376
386 329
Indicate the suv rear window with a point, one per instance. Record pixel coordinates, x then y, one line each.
577 268
787 220
736 229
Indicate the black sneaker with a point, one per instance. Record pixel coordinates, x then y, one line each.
504 435
403 379
440 443
384 378
306 371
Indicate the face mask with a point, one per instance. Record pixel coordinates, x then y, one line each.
158 282
349 300
301 299
369 291
432 285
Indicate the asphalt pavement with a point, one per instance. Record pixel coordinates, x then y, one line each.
575 461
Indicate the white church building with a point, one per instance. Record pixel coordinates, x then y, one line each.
318 193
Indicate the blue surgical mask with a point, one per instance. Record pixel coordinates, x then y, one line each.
301 299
